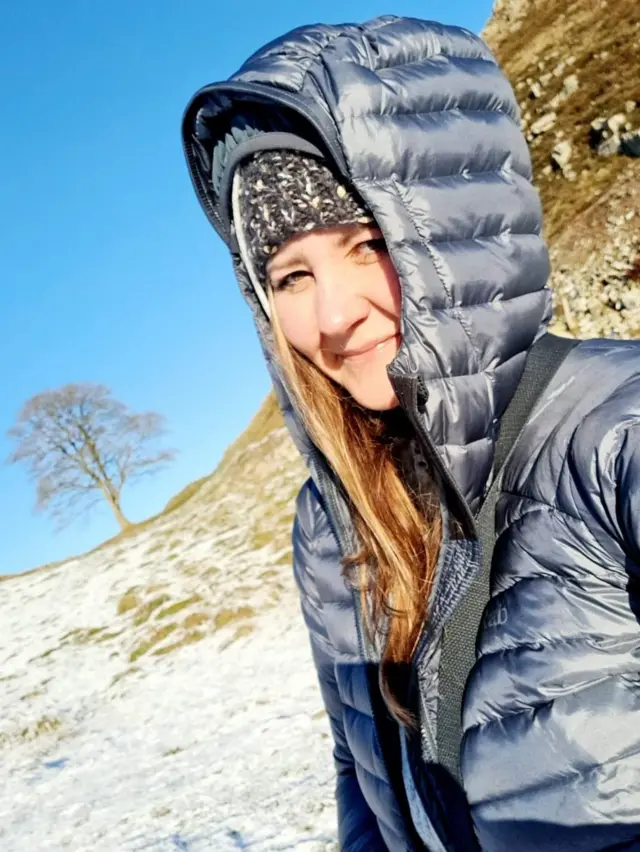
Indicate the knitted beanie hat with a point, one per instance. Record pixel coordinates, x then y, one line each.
284 193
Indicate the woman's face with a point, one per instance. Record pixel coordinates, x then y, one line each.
337 297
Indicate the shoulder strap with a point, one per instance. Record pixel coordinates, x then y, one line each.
460 633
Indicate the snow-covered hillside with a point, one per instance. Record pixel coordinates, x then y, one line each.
158 693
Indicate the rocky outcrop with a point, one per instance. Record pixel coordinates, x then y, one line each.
507 17
601 296
573 65
616 135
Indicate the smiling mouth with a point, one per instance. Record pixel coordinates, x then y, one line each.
369 351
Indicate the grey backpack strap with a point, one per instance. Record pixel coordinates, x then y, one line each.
460 633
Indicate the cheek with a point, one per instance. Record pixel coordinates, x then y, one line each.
297 322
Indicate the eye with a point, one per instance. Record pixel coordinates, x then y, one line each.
371 248
292 282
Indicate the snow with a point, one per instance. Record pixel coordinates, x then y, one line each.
211 750
220 745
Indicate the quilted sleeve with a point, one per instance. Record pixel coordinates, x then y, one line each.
357 825
627 480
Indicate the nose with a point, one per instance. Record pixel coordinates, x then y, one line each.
339 307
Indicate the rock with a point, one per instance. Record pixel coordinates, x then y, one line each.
630 144
557 71
629 106
562 153
632 300
570 85
609 147
605 136
536 90
598 131
544 123
617 122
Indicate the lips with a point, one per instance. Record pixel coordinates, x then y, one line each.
368 350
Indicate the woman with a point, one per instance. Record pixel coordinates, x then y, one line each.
373 187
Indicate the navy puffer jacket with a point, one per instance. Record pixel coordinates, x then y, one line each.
419 118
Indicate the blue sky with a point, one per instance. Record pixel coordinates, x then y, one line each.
109 272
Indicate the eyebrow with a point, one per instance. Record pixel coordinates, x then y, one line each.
296 257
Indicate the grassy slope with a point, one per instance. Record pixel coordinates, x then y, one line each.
604 38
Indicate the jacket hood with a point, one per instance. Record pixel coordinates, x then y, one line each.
419 118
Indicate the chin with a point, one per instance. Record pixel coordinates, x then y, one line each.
375 399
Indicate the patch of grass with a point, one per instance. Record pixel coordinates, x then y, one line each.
243 592
144 612
185 495
44 725
156 637
227 616
275 594
242 631
83 635
160 811
179 605
195 620
188 639
128 601
46 654
35 693
125 673
268 418
104 637
269 574
261 539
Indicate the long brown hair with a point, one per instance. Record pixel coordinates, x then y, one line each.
399 530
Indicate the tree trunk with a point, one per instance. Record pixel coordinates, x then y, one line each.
124 522
114 501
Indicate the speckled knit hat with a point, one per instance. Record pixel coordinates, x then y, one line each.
286 193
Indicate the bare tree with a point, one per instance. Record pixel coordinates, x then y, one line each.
82 446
